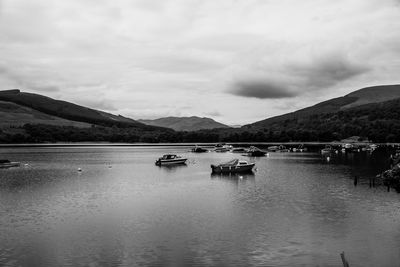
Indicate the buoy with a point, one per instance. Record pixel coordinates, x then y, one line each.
328 159
79 169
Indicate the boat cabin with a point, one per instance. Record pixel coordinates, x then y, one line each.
169 156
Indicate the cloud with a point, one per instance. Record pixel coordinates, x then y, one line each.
295 77
261 89
327 71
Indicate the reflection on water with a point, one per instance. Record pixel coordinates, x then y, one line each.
295 209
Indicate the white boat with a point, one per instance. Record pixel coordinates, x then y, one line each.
327 150
170 159
4 163
233 166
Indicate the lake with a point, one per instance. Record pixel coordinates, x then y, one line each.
297 209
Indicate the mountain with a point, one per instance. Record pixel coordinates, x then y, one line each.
52 108
368 95
185 123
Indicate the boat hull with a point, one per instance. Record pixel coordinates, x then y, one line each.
171 161
232 169
9 165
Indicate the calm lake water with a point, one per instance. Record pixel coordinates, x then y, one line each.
122 210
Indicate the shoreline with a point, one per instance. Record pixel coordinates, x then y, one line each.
108 144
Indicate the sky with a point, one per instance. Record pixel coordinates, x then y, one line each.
236 61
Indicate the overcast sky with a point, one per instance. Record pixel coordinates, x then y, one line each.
231 60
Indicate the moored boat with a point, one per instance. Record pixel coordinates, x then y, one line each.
222 148
170 159
239 150
273 148
256 152
282 148
198 149
5 163
327 149
301 148
233 166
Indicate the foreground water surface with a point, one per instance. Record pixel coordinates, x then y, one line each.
297 209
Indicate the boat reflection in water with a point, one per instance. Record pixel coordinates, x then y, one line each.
234 177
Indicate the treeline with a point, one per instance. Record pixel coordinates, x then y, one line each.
40 133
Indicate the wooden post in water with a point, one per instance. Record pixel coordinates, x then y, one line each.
355 180
344 261
370 182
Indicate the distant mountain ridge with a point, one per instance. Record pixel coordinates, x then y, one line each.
193 123
368 95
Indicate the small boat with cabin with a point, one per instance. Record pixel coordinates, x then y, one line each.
256 152
282 148
273 148
328 149
300 148
170 159
222 148
198 149
5 163
233 166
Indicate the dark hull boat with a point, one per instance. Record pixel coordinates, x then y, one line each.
4 163
170 159
233 166
198 149
256 152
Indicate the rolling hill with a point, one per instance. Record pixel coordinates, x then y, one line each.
65 110
368 95
185 123
12 115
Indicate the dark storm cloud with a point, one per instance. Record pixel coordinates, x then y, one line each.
262 90
297 78
327 71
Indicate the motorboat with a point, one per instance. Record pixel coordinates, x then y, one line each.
5 163
327 149
222 148
273 148
372 147
300 148
198 149
256 152
170 159
233 166
239 150
282 148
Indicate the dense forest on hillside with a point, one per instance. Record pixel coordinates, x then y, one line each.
379 122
